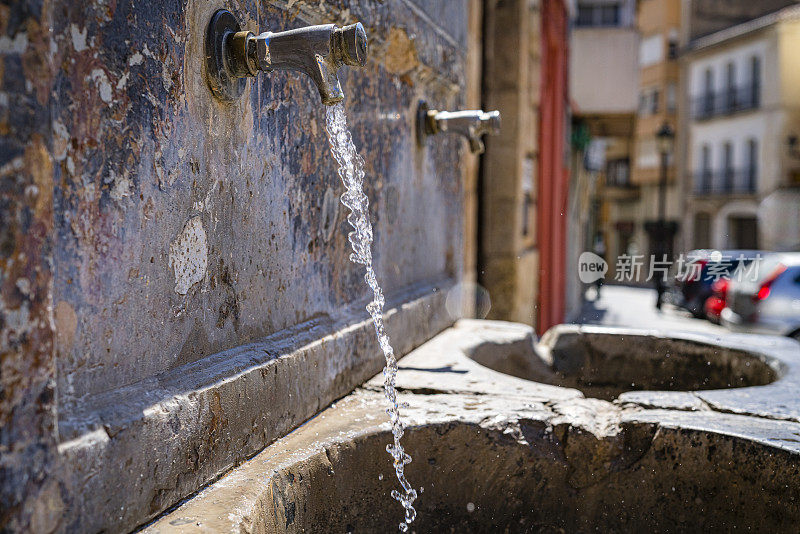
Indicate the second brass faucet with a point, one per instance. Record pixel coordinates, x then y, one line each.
472 124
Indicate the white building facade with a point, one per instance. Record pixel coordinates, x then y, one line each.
742 175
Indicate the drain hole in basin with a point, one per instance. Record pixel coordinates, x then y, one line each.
604 365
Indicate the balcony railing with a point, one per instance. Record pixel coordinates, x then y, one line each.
731 182
726 102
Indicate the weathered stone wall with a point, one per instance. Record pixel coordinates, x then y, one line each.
148 227
150 167
27 364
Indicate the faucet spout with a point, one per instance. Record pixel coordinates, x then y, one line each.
472 124
318 51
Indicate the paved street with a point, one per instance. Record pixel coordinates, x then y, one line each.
634 306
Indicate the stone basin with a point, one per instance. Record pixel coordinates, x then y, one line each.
496 453
603 364
520 476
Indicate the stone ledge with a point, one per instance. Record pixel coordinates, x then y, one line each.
155 442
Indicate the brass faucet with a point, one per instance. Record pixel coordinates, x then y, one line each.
472 124
232 55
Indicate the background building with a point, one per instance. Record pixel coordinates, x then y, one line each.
604 82
742 164
624 87
658 22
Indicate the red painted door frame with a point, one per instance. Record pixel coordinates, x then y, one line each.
553 182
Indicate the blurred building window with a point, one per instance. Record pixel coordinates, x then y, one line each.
708 88
649 101
752 165
730 87
755 81
743 232
727 166
585 16
651 50
610 15
672 97
599 14
647 154
595 157
734 92
618 172
703 182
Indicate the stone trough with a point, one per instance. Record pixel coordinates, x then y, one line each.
499 453
604 364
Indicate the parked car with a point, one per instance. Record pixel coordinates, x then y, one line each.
766 298
716 302
693 286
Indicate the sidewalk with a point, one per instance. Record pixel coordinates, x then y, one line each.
636 307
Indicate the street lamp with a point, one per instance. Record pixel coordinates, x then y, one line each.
665 139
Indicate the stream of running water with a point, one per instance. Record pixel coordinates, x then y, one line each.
351 171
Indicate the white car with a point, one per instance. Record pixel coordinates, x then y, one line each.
764 297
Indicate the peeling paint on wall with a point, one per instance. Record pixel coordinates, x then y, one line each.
188 256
